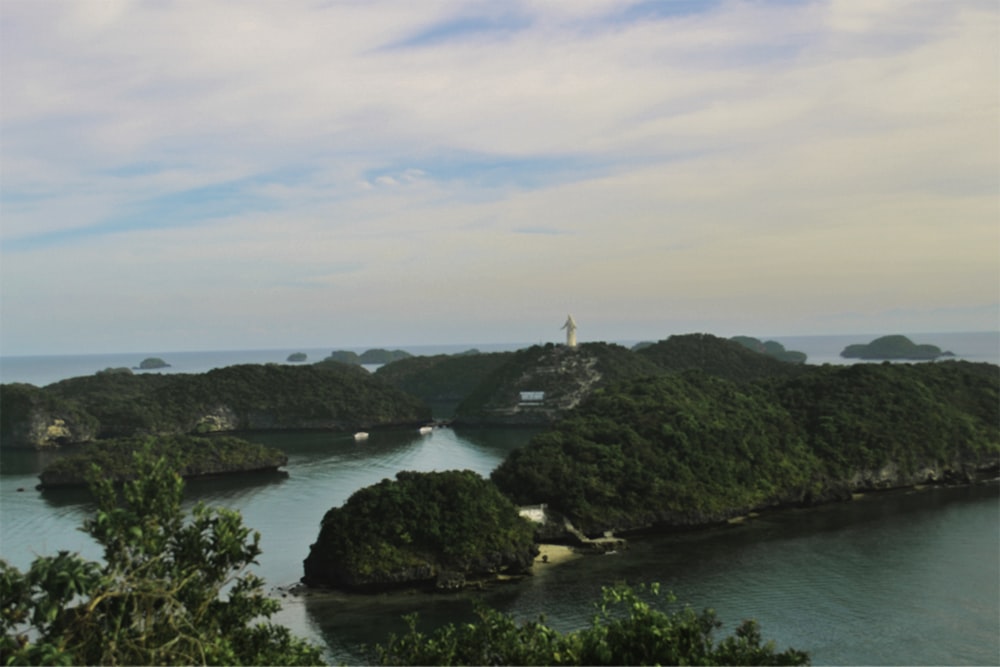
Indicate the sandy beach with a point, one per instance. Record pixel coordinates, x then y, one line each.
553 554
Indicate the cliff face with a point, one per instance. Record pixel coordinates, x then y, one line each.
540 384
31 418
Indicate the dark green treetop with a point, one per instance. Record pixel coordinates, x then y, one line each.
893 347
151 363
407 530
627 630
173 589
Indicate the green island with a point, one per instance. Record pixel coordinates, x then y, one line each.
894 347
771 348
437 530
152 363
297 357
249 397
691 449
190 456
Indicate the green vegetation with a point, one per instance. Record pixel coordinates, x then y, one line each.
373 356
122 370
238 398
443 380
173 589
343 357
565 374
716 356
419 528
189 456
894 347
297 357
151 363
690 449
627 630
380 356
771 348
39 416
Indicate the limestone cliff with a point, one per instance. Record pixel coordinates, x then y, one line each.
539 385
30 417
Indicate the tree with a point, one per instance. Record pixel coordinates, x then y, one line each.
627 630
173 589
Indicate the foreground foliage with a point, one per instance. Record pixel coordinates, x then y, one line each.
627 630
173 589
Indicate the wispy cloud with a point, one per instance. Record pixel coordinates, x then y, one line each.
747 164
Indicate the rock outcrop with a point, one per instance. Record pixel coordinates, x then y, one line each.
31 417
539 385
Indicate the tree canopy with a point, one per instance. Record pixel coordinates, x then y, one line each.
173 588
628 629
691 449
416 528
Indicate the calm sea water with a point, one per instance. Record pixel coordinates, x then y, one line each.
900 578
43 370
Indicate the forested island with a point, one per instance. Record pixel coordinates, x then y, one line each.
771 348
249 397
894 347
437 530
189 456
152 363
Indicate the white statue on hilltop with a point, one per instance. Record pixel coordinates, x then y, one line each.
570 328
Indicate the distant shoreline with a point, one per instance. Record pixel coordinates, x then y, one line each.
44 369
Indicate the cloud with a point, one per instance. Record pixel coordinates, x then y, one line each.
722 162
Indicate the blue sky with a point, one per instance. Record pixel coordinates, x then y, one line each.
221 174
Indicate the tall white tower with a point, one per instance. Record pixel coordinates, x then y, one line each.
570 328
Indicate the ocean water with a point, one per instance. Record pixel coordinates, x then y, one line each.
43 370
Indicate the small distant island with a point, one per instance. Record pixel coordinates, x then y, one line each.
297 357
771 348
151 363
894 347
373 356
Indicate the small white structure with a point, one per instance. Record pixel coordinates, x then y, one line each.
360 436
532 397
426 430
570 328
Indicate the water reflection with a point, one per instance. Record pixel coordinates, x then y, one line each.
901 573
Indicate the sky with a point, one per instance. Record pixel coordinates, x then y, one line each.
199 175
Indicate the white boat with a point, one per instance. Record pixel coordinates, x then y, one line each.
360 435
425 430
